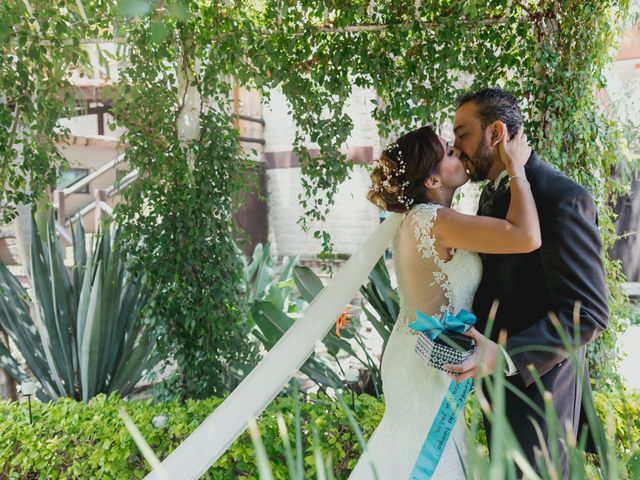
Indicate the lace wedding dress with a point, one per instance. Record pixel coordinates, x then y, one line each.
413 391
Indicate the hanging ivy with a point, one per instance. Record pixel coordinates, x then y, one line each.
178 215
39 47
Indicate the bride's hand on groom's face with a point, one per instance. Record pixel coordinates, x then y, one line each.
480 364
515 150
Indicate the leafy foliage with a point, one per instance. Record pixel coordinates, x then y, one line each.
37 52
418 59
73 440
417 56
87 335
177 218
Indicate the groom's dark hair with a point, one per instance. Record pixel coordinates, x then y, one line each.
495 104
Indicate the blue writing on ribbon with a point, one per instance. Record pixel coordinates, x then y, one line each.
440 431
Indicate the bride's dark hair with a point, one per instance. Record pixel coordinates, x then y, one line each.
397 179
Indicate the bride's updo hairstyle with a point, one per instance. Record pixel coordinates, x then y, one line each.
397 179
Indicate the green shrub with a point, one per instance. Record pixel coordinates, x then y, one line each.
69 439
621 415
72 440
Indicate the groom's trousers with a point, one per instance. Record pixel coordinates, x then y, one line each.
529 426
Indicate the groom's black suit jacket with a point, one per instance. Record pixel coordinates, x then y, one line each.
565 269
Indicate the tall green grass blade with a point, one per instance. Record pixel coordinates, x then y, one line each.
288 452
264 469
356 428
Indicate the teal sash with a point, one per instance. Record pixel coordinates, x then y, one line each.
440 431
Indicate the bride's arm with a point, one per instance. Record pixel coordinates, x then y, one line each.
519 232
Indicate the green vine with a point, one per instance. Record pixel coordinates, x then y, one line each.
178 215
39 46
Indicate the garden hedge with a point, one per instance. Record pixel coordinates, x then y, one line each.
73 440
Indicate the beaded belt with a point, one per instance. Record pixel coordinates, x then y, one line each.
448 348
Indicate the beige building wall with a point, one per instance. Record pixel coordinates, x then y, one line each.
353 218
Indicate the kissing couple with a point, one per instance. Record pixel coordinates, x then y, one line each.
533 250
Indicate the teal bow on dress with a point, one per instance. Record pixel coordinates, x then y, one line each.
459 323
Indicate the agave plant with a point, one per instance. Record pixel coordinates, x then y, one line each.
80 329
261 278
269 288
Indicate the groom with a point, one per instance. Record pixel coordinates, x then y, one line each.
566 269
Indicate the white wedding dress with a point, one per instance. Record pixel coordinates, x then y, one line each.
413 391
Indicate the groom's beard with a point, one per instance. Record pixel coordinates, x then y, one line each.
481 161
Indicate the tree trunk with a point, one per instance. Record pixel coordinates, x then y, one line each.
22 223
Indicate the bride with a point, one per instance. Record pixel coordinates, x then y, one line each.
437 273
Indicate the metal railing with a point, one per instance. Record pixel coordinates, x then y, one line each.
99 205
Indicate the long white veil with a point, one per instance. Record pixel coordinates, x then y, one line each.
220 429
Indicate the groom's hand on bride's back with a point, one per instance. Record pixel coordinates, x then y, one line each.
480 364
